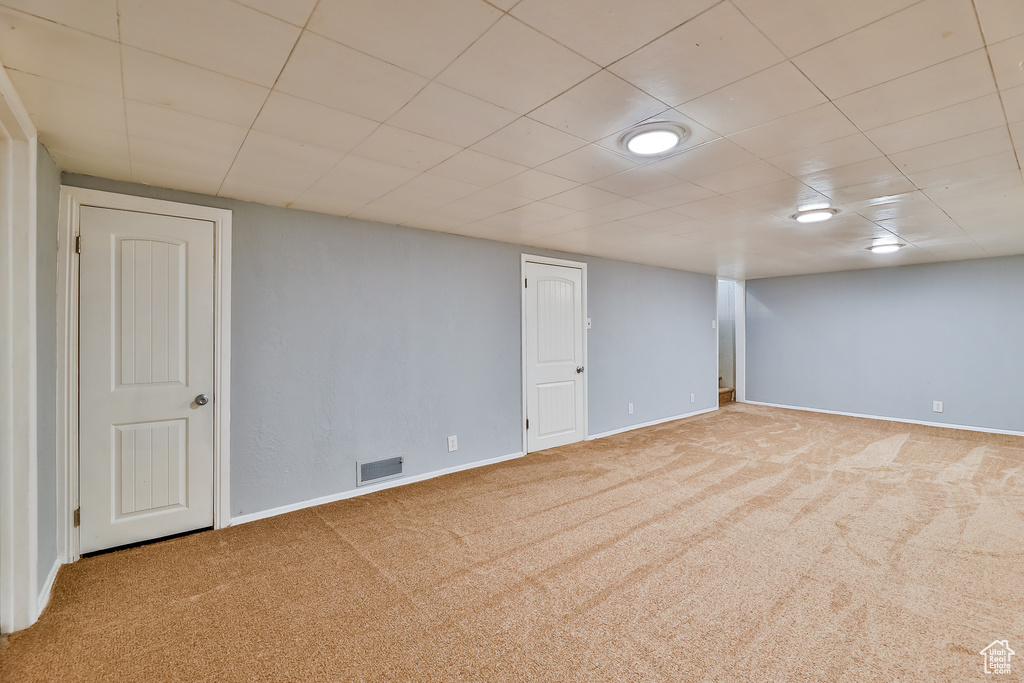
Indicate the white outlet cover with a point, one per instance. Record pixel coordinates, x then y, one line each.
453 443
693 398
630 408
936 406
714 324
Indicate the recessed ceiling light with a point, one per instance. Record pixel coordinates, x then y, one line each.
814 215
652 139
813 207
886 247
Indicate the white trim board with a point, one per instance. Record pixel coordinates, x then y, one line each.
44 592
651 423
363 490
72 199
19 510
944 425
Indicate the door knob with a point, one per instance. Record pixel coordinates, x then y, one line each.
579 369
202 400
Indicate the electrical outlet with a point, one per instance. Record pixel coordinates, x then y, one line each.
714 324
936 406
630 408
453 443
693 398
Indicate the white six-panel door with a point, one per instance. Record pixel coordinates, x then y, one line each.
146 354
554 355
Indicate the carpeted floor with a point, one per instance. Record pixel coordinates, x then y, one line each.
748 544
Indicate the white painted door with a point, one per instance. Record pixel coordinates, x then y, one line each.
146 354
554 355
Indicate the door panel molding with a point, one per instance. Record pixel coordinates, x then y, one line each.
551 261
72 201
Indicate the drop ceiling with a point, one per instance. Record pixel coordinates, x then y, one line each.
501 119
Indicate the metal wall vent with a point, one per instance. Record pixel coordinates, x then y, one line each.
369 471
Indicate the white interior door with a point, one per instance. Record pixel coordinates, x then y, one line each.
555 405
146 354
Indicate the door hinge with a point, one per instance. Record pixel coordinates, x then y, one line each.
78 517
527 423
78 244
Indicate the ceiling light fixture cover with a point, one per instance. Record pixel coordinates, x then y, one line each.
814 215
886 247
654 138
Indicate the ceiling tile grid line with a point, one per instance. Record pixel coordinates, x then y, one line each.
505 120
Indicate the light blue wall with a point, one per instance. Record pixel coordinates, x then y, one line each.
47 207
355 340
888 342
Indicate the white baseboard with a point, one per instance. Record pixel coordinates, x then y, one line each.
363 490
650 424
44 593
944 425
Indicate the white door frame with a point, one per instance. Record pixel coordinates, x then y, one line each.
547 260
72 201
19 510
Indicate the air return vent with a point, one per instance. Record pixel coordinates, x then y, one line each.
370 471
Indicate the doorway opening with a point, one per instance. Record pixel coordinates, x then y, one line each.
726 341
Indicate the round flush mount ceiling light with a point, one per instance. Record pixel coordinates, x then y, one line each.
652 139
885 247
814 214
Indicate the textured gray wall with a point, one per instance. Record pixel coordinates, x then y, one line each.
651 344
889 341
355 340
47 209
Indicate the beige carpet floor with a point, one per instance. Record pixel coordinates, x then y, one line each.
750 544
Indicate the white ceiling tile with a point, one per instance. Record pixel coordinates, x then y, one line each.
325 203
534 184
76 121
968 189
799 25
323 71
943 85
1000 19
271 195
961 119
297 119
742 177
272 161
636 181
528 215
402 148
43 48
721 41
1017 133
178 129
390 210
678 193
884 187
587 164
661 220
975 168
98 17
168 83
484 203
768 95
254 49
622 208
851 174
423 36
194 176
528 142
605 30
293 11
478 169
780 198
575 221
1013 103
355 179
841 152
452 116
598 107
111 162
583 198
516 67
1006 62
708 207
954 151
798 131
713 157
920 36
